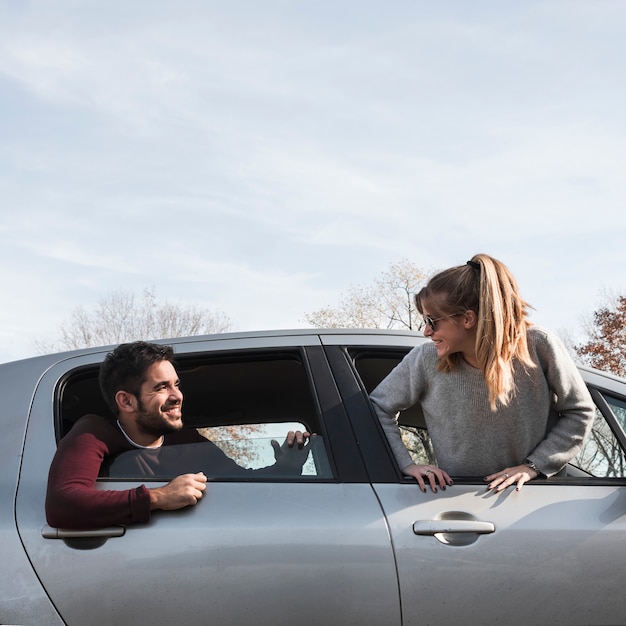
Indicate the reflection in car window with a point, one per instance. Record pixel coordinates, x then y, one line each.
618 407
250 445
602 455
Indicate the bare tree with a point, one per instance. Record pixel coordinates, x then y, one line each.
419 445
386 303
602 454
120 317
606 345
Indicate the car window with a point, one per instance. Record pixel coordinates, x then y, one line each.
602 455
618 409
234 407
373 366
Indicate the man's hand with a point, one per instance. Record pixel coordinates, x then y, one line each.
184 490
292 455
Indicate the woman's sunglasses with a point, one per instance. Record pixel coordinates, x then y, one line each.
427 319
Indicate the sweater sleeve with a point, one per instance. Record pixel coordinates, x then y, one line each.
572 403
72 499
398 391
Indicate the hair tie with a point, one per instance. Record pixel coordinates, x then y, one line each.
474 265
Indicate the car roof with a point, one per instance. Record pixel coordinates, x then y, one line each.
333 335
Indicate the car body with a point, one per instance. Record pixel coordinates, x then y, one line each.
351 541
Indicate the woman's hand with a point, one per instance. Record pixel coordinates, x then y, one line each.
519 474
431 473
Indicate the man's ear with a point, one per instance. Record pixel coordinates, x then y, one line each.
126 401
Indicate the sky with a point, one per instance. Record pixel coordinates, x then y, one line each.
261 158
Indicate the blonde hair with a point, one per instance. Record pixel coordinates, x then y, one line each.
486 286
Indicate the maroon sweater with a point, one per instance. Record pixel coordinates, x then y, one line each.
95 447
72 499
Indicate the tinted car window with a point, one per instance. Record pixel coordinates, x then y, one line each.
618 410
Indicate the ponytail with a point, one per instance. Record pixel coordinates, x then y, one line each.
486 286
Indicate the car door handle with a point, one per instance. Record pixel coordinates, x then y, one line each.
99 533
433 527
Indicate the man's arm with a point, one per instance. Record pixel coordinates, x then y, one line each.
72 499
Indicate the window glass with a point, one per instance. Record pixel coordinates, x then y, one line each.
227 452
618 408
374 365
602 455
251 445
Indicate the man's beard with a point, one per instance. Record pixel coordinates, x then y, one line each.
154 423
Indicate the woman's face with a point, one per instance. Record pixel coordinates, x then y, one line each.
452 333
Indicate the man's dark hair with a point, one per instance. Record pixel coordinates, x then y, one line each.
125 368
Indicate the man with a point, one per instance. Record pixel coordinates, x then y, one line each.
141 386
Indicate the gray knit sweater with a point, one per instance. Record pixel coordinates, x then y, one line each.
469 438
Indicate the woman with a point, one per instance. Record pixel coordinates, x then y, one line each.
501 397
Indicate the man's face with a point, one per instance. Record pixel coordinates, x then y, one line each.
160 400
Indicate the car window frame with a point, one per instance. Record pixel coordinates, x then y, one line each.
340 447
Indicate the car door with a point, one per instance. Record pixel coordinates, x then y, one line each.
552 553
313 549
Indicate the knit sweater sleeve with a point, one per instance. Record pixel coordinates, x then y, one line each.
400 390
72 499
572 403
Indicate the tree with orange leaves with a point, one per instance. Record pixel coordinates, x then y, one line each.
606 345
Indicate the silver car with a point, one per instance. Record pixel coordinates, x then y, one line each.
350 541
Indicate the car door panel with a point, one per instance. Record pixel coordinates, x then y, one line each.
555 554
22 599
249 552
551 553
